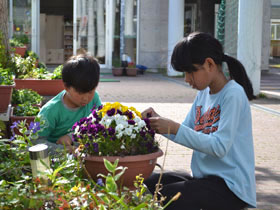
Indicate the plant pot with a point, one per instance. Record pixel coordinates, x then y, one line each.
138 164
15 118
131 72
44 87
20 50
6 96
117 71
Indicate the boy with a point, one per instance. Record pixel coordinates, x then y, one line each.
80 76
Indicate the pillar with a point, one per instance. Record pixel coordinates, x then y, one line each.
249 44
175 30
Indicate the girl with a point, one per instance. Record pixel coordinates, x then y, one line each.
218 128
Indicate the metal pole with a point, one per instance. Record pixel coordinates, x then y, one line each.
122 12
11 16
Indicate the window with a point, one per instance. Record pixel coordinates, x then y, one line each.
275 31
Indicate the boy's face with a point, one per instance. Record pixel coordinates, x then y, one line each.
76 99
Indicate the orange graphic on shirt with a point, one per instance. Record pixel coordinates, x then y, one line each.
205 122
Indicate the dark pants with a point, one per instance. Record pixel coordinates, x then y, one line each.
210 193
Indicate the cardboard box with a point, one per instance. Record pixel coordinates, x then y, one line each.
55 56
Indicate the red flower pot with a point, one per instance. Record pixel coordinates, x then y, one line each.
20 50
6 96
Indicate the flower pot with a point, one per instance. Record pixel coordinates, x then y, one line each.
15 118
44 87
131 72
138 164
20 50
117 71
6 96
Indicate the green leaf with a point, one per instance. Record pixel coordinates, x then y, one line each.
111 185
140 206
117 176
109 166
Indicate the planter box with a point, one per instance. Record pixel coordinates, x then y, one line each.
131 72
43 87
6 96
15 118
127 72
117 71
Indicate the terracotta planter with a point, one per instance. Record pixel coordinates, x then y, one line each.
138 164
117 71
43 87
20 50
5 96
15 118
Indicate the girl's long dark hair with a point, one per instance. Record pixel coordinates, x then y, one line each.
198 46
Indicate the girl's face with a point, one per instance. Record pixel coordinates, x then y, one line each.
75 99
199 79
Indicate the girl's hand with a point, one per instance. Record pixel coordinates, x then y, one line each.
150 112
163 125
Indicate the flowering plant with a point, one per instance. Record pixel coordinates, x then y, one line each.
114 130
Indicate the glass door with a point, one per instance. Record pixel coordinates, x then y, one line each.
92 20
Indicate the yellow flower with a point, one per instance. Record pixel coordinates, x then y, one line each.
74 189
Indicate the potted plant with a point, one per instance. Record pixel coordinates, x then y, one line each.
6 88
66 186
19 43
115 131
26 105
124 68
24 112
38 79
22 96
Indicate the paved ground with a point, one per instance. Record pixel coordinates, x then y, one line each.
172 98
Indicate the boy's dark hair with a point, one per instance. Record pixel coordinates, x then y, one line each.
198 46
81 72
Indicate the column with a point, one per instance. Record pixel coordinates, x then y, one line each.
249 44
175 30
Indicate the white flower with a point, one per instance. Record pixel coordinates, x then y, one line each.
141 124
108 122
77 129
133 136
119 128
122 147
128 131
119 135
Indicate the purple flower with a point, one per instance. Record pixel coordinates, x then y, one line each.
14 125
111 131
129 115
95 147
100 107
147 121
131 122
34 126
111 112
86 145
12 138
119 112
93 108
100 182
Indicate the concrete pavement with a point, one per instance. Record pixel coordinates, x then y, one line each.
172 98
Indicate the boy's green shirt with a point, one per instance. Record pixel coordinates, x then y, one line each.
58 119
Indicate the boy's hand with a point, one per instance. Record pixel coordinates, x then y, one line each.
65 140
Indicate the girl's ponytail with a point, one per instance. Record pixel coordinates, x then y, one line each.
238 73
